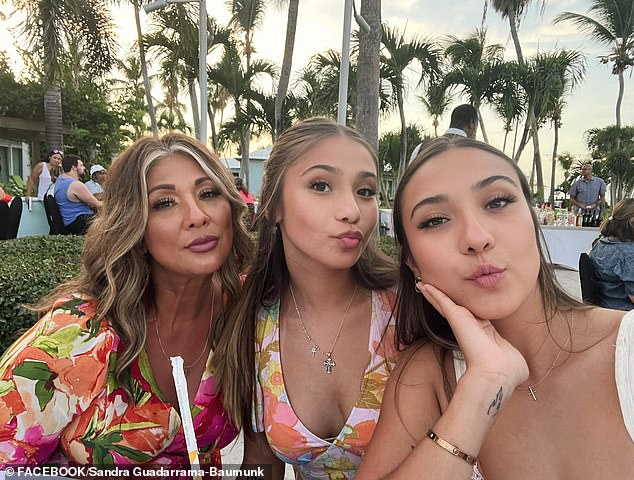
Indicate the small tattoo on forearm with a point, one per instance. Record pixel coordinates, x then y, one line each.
494 408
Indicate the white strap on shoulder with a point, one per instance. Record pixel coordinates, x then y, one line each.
624 370
459 364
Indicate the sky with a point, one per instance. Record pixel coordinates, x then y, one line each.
320 26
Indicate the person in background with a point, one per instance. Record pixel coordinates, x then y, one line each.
506 376
588 192
613 257
76 204
247 197
463 123
91 383
5 197
44 174
315 318
95 184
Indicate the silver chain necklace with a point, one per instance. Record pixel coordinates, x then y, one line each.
329 362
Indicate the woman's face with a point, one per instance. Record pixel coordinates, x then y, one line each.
55 160
470 231
329 208
188 230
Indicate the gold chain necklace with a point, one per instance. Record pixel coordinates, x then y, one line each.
531 388
200 356
329 363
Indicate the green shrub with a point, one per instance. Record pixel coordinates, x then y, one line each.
388 246
30 268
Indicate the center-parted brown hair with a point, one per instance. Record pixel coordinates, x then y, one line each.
267 278
417 320
115 267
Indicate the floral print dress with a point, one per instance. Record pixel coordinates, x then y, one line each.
60 402
313 457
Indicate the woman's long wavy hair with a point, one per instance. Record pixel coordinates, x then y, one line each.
115 267
417 319
268 275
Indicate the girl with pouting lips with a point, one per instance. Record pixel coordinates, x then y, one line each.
314 321
505 375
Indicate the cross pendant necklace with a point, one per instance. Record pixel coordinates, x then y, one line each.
329 362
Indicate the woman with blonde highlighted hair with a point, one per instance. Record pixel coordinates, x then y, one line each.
91 382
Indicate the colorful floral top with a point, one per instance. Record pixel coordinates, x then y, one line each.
60 403
313 457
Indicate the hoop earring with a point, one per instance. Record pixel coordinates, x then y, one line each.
416 280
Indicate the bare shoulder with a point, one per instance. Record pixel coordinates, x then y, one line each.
595 331
418 382
419 364
411 405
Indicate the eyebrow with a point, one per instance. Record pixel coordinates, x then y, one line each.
481 185
171 186
336 171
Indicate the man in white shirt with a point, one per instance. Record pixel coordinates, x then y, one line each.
97 177
464 123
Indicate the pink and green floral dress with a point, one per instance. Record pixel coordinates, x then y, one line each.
60 403
313 457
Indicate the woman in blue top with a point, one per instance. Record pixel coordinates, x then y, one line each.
613 257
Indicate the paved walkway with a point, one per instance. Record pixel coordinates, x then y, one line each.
232 454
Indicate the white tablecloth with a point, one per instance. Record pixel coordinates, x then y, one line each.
565 244
33 222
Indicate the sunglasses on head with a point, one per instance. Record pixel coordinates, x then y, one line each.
53 152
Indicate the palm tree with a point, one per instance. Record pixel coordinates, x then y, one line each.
398 54
510 103
612 26
513 10
569 69
174 36
48 26
287 63
241 83
478 67
130 92
545 79
436 100
369 74
246 16
136 5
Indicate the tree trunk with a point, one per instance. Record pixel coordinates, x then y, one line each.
193 98
553 165
212 118
516 37
403 157
482 129
537 160
53 117
506 134
146 77
287 62
620 99
368 74
244 162
530 130
517 129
